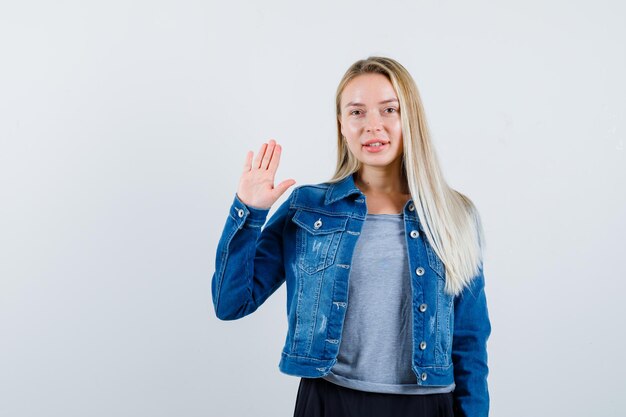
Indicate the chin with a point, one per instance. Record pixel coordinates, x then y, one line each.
376 163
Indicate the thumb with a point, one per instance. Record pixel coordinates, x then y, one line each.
283 186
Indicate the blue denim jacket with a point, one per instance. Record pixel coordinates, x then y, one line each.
308 243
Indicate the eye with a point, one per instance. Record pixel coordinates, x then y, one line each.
355 112
391 110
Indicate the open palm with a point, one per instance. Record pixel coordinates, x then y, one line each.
256 186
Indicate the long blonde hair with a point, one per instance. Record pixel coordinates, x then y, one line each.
450 220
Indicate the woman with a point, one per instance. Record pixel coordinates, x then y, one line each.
383 263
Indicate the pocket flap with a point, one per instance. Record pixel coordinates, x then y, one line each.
319 224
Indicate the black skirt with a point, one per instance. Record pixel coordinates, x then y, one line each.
320 398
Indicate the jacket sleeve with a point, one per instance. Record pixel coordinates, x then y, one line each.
249 263
472 328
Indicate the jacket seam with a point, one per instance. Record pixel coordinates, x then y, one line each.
223 257
309 358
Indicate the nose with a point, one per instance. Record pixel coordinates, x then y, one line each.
373 122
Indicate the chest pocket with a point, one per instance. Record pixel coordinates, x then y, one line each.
317 239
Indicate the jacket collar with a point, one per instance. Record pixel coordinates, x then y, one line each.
341 189
345 187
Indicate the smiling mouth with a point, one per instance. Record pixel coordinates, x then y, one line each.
375 147
376 144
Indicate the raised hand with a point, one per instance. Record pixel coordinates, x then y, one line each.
256 186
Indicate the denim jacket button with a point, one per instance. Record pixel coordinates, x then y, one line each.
318 223
411 207
423 307
423 345
240 213
424 376
414 234
419 271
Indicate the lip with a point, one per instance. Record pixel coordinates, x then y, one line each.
384 142
375 149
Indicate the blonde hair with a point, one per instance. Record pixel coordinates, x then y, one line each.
450 220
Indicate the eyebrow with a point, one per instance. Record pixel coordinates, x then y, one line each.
352 103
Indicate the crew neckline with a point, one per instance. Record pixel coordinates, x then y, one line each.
385 214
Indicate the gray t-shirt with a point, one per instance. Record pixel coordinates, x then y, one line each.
377 341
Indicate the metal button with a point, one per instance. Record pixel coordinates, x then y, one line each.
424 376
419 271
318 223
423 307
411 207
414 234
240 213
423 345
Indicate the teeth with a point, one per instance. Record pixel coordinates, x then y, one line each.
375 144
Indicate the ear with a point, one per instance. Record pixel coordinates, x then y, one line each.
340 125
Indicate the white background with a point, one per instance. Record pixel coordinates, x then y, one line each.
123 130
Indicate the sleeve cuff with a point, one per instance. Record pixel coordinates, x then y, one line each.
243 213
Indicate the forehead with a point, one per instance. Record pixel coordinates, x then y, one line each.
368 88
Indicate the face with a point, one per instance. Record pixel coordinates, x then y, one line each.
370 120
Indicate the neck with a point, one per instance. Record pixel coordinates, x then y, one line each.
381 180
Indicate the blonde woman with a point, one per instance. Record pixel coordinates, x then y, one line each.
383 263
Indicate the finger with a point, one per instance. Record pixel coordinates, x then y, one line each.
248 164
259 156
273 166
268 154
283 186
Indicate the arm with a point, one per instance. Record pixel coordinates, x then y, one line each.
472 328
249 264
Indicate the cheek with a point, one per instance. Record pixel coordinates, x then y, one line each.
352 134
397 127
351 127
354 144
395 131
